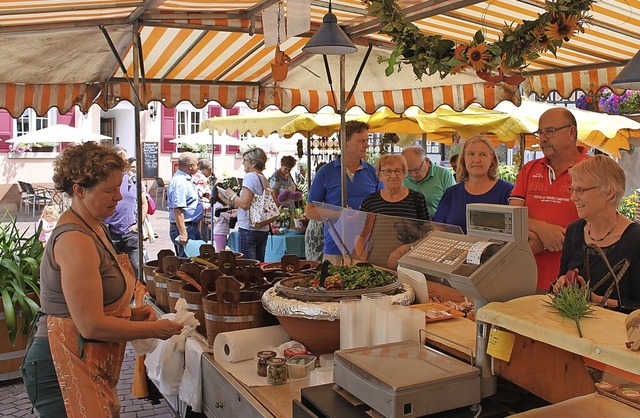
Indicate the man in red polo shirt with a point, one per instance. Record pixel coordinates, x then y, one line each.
543 187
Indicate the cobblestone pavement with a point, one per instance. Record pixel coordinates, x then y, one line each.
14 402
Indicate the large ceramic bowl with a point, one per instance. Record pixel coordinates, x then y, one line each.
288 288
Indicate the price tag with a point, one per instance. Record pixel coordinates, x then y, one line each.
500 344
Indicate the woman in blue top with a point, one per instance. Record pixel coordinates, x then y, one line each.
478 183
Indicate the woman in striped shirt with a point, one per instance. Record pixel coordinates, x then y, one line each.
402 206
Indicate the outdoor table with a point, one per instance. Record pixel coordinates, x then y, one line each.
277 245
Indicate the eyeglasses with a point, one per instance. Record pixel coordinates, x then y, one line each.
415 170
580 190
549 132
398 172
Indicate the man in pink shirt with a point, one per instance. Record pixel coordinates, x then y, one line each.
543 186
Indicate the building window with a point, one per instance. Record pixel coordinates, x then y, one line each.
29 121
433 147
188 122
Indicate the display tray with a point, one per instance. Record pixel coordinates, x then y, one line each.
437 311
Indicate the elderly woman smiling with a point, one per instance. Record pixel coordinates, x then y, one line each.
383 234
597 186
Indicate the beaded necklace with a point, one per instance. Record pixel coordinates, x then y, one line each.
607 234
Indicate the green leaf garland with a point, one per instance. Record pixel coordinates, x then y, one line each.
502 60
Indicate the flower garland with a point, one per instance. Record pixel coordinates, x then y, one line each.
519 44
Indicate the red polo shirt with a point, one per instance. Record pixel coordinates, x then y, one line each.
547 201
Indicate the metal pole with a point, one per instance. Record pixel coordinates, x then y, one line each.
138 106
343 136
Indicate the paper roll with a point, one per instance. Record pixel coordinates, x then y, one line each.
235 346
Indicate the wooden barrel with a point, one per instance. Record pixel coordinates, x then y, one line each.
148 268
169 266
152 265
232 309
173 292
11 355
193 296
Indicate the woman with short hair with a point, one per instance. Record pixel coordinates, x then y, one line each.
72 366
597 186
252 241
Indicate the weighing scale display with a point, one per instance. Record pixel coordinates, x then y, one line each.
491 221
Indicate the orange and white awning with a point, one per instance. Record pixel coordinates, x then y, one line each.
201 50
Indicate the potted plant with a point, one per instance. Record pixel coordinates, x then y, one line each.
20 255
42 146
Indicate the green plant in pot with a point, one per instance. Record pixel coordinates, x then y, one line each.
20 255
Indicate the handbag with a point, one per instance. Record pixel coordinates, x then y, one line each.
263 208
151 204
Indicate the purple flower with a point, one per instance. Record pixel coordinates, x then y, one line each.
285 196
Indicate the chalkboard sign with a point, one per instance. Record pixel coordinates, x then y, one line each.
149 160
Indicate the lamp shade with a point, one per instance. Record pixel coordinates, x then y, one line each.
330 39
629 77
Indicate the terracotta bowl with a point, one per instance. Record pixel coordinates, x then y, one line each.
324 339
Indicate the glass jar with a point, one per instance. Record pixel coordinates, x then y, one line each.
263 357
277 371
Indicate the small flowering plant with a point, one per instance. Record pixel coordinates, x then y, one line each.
19 149
288 197
629 205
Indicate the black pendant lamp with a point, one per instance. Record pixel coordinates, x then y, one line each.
629 77
330 39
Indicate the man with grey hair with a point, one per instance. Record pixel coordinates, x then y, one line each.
185 208
425 177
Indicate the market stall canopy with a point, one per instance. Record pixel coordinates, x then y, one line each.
57 134
203 50
205 138
608 133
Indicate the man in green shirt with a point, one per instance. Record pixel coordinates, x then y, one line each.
425 177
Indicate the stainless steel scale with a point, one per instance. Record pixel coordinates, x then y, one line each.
492 263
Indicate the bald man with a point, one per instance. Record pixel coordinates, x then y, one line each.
543 187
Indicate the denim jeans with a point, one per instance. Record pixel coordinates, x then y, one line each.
253 244
193 232
130 245
41 381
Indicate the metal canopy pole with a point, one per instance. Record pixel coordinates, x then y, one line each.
343 136
137 66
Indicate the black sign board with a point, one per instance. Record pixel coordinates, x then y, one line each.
149 160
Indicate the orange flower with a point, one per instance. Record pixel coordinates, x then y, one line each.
561 27
541 39
478 56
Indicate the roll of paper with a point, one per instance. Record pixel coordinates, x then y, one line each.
235 346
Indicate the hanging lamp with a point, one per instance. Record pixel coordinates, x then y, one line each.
629 77
330 39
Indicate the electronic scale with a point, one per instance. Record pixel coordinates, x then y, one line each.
493 262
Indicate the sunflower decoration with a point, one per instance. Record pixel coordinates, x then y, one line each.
478 57
495 62
562 27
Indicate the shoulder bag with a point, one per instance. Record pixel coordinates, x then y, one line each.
263 208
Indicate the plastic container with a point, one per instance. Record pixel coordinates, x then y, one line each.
300 367
263 357
277 371
294 351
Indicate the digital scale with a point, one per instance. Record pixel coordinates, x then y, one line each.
493 262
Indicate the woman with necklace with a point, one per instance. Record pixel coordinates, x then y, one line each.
383 235
597 187
72 365
477 174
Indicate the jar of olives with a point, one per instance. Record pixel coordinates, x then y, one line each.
277 371
263 357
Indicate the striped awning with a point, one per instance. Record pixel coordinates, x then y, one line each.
56 54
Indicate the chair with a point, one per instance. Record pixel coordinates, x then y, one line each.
32 196
161 189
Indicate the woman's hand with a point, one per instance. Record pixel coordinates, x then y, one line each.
572 278
143 313
397 254
166 329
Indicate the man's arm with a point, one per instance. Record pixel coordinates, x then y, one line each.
182 229
311 212
543 236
